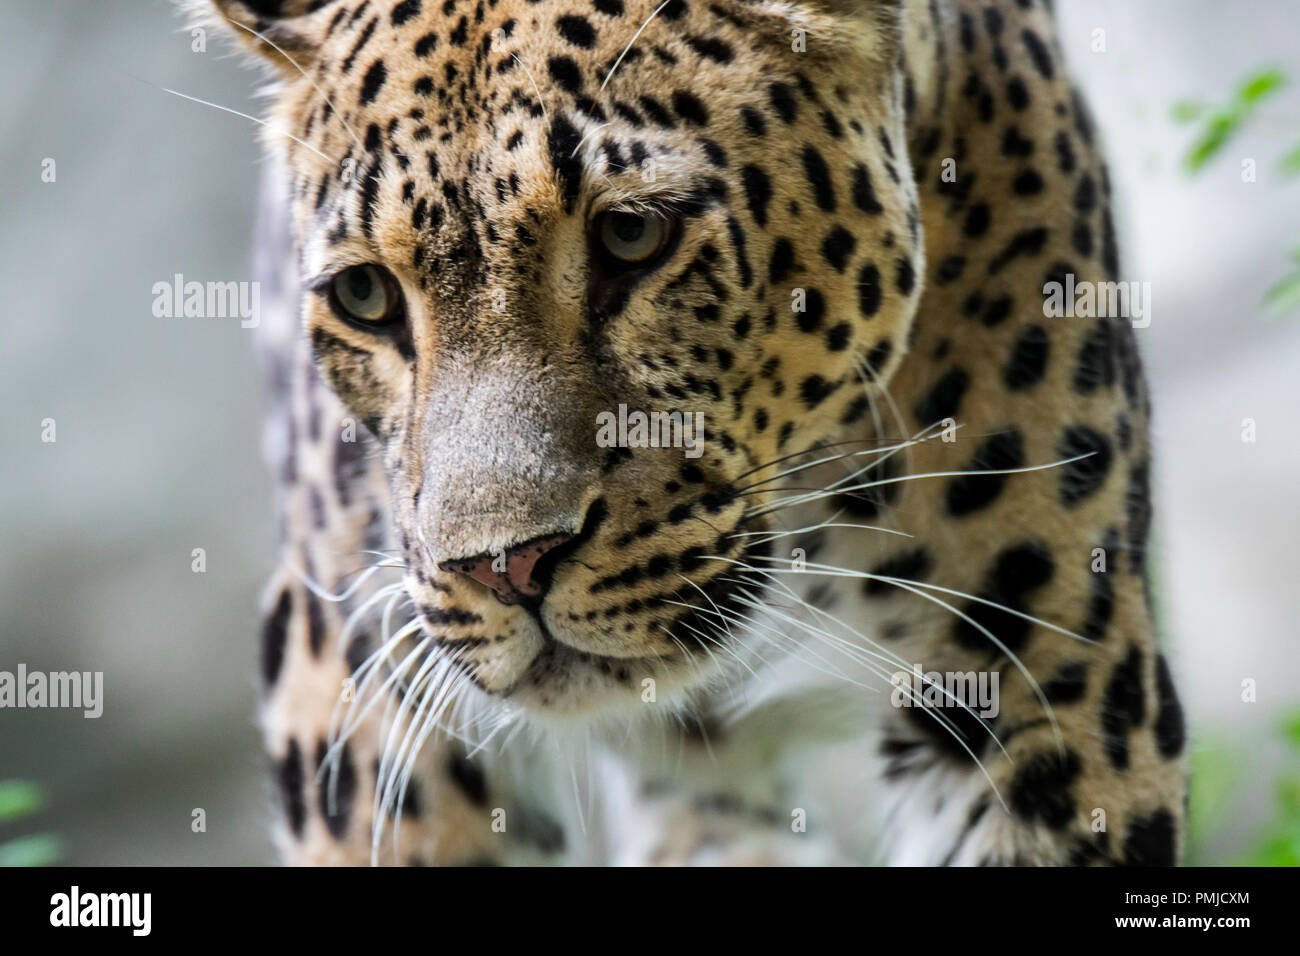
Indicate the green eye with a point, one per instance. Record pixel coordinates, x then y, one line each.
366 294
633 238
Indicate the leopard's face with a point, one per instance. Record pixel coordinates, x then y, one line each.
517 240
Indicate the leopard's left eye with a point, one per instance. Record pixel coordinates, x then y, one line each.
631 238
366 295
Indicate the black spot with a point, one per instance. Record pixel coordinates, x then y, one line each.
565 72
656 112
1017 93
1068 684
1101 602
1017 571
357 651
949 270
1038 53
1028 361
905 276
404 11
878 356
1123 707
373 82
1081 238
362 40
337 789
289 776
754 122
869 291
955 732
1014 144
1085 194
275 632
315 625
864 194
838 247
1171 733
690 109
1065 158
1095 365
577 30
943 399
1138 508
999 453
459 33
562 144
1151 841
1081 478
1028 242
710 48
819 178
977 220
838 337
782 261
715 153
1028 183
810 319
909 566
1040 789
814 390
782 99
469 778
758 192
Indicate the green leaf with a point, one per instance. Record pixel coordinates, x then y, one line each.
1213 138
1291 726
39 849
1185 111
1214 773
1284 295
1290 163
1224 123
1262 84
19 798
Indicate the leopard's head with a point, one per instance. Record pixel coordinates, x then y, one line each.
524 225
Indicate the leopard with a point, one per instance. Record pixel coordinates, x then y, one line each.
810 242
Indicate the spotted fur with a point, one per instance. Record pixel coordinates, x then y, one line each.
833 291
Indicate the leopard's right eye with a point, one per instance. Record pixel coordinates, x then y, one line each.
367 295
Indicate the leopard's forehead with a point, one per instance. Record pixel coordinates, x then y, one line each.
473 118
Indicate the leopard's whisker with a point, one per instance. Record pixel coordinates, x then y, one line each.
540 102
827 570
328 99
261 122
635 36
773 535
803 499
996 641
857 652
937 715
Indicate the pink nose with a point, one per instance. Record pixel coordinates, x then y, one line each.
511 574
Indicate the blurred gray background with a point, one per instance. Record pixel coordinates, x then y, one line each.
158 419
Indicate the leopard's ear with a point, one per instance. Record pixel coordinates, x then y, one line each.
283 32
834 27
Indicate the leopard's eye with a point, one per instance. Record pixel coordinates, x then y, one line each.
367 294
631 238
